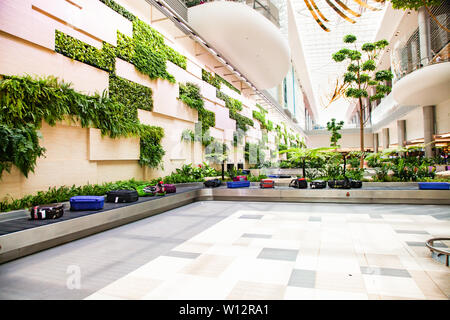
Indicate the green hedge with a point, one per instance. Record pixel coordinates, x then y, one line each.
216 81
130 94
190 94
242 122
27 102
209 78
78 50
119 9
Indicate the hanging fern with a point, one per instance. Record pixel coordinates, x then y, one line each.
26 102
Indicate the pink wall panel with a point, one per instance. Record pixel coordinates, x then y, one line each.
94 18
18 57
19 19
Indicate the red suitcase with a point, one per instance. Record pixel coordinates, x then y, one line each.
240 178
267 183
170 188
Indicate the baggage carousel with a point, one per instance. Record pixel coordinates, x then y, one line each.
20 236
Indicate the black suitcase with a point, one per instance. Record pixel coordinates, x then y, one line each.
121 196
356 183
339 184
299 183
54 211
318 184
214 183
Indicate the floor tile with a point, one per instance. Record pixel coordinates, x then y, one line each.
278 254
246 290
182 254
302 278
385 272
251 216
256 235
208 265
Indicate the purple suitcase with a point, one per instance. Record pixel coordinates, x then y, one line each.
170 188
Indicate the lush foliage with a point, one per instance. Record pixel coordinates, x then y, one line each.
26 102
361 78
119 9
229 85
130 94
189 93
64 193
146 50
414 4
188 173
151 150
19 146
334 128
209 78
242 122
216 81
254 154
80 51
261 117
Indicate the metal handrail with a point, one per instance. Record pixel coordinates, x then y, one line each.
429 245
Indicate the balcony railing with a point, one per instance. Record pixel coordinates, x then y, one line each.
406 56
265 7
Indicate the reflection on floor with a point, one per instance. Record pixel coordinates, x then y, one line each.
231 250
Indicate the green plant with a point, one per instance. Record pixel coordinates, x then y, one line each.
119 9
414 4
242 122
29 101
131 94
80 51
229 85
301 155
334 128
190 94
209 78
19 146
151 150
361 76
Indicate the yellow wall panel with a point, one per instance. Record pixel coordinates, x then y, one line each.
18 57
105 148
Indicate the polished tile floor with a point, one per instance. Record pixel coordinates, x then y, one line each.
231 250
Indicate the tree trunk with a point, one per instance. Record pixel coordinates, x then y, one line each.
303 167
361 132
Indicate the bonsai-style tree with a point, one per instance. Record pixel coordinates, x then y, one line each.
362 80
334 128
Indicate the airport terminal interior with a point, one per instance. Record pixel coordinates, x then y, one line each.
224 150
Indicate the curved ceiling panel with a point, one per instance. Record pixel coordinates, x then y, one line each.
424 87
245 38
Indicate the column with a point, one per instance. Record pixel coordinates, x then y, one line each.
401 131
401 125
385 132
375 142
424 36
428 130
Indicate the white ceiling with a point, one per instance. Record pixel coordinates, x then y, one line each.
320 45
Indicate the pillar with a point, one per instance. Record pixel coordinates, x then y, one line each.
401 126
401 132
428 130
385 132
424 35
375 142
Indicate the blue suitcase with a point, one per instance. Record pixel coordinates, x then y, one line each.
434 185
238 184
86 203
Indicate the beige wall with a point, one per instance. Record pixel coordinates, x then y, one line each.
348 140
78 155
